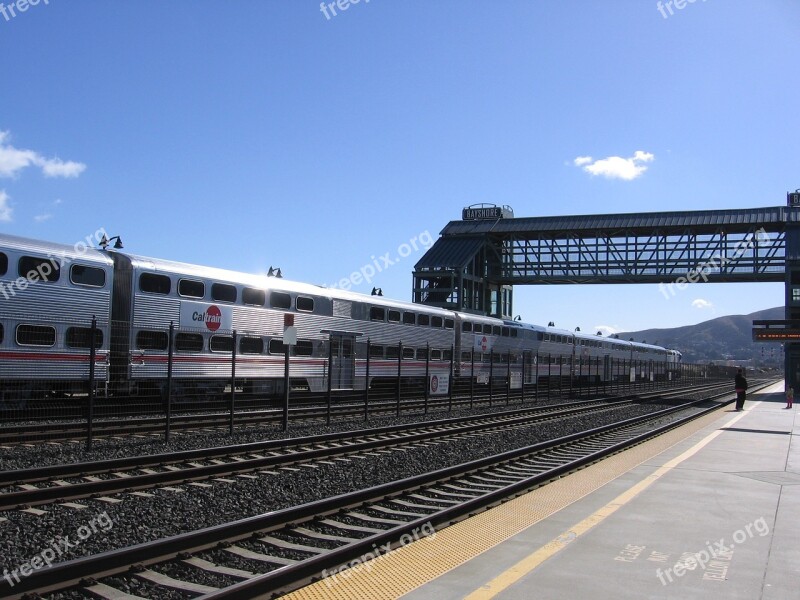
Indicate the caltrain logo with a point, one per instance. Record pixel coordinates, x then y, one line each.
212 317
434 383
484 344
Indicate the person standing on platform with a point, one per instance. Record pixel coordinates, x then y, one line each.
740 384
789 396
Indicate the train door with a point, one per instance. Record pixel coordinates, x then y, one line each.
343 361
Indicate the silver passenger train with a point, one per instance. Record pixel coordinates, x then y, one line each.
49 294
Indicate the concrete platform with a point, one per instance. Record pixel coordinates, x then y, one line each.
716 515
709 510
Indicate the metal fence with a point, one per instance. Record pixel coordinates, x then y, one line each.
90 371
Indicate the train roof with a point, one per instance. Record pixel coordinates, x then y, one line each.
262 281
78 251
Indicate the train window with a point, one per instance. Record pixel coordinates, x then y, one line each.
436 355
437 322
276 346
191 288
408 353
305 304
39 269
223 292
188 342
496 330
304 348
375 351
377 313
155 284
151 340
280 300
506 332
422 354
447 355
391 351
449 324
466 326
251 345
393 316
83 275
81 337
466 356
221 343
539 335
36 335
3 263
2 332
423 320
254 296
409 318
514 333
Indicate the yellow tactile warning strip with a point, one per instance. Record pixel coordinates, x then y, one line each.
405 569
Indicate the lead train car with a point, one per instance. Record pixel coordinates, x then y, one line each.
49 294
44 320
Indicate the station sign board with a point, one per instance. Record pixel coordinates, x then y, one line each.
776 335
486 212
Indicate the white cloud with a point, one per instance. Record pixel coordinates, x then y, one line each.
616 167
701 304
44 217
5 207
13 160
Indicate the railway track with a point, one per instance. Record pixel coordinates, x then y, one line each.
278 551
76 430
60 483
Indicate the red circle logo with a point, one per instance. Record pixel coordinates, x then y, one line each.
213 318
434 383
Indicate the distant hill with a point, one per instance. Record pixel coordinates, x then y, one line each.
718 339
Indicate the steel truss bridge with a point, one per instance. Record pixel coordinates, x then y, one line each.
475 263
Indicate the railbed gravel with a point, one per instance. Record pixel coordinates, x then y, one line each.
166 513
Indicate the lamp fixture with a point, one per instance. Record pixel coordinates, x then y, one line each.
104 242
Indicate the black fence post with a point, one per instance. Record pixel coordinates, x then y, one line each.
508 378
560 374
330 380
536 375
233 381
549 373
450 382
366 382
92 355
522 383
170 346
427 375
399 373
491 375
472 379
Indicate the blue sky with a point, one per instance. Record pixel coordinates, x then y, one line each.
253 133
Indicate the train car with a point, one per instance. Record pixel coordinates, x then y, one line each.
207 305
49 294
